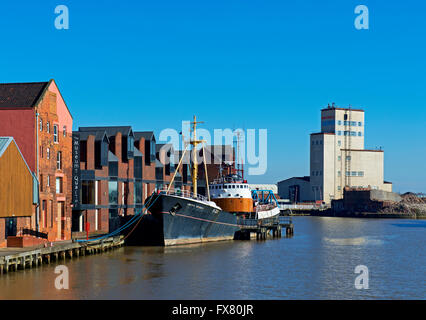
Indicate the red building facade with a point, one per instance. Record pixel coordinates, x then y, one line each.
36 116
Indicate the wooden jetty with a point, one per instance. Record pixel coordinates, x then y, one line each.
13 260
264 228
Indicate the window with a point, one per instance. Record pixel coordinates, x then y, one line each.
353 133
354 173
44 210
339 173
59 185
48 127
339 133
320 142
339 143
339 122
360 173
51 213
345 116
137 167
339 188
48 180
348 173
353 123
360 124
113 169
88 192
48 153
152 150
59 160
138 192
360 134
55 133
113 192
65 131
339 158
348 158
41 124
41 182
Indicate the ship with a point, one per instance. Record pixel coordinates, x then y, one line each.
178 216
232 193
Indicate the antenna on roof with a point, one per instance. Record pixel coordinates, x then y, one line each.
332 104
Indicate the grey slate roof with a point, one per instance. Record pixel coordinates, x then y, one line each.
21 95
148 135
137 153
110 131
99 135
112 157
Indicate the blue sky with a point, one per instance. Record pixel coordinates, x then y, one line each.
250 64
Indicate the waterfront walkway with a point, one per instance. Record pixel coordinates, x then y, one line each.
12 259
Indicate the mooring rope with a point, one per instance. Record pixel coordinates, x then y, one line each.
136 217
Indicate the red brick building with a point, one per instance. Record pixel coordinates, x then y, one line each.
118 170
111 178
36 116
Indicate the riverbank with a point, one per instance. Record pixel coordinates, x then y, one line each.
363 214
13 259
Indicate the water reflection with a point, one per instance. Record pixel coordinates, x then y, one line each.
317 263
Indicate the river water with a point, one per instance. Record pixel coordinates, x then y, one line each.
318 262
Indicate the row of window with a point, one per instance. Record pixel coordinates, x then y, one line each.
348 158
351 173
360 187
316 142
229 186
350 133
59 183
326 123
55 130
58 157
339 133
317 173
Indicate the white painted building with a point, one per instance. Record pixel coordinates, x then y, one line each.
337 159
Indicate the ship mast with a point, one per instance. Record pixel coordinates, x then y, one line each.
194 142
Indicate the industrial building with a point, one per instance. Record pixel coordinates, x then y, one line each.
337 160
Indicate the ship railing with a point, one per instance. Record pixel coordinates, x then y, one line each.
185 194
255 223
247 223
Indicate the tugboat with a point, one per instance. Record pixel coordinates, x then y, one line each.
182 217
232 194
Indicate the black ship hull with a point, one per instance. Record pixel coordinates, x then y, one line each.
175 220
